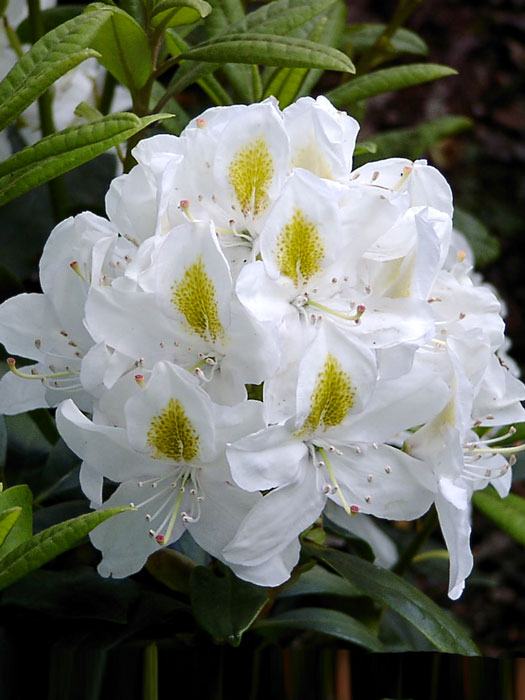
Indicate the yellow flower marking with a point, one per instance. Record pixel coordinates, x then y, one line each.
332 398
172 436
195 297
250 174
300 249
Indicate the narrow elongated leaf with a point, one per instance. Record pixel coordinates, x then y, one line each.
51 18
361 37
486 248
174 13
270 50
22 529
415 142
387 80
124 47
225 14
331 622
51 56
283 17
319 581
388 589
65 150
8 520
48 544
507 513
224 605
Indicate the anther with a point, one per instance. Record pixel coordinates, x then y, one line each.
200 122
76 268
461 255
139 379
354 510
160 539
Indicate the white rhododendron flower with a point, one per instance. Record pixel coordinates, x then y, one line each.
258 336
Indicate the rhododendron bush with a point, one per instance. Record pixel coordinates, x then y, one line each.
265 360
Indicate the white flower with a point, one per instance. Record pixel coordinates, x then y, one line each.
183 310
81 252
333 447
163 442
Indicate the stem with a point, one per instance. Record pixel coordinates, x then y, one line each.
150 678
108 91
419 539
57 188
402 12
257 86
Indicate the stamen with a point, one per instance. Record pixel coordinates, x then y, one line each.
331 474
360 310
407 170
511 431
11 364
139 378
76 268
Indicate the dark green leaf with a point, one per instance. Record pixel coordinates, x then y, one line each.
361 37
224 605
65 150
387 80
486 248
48 544
388 589
365 147
173 13
331 622
415 142
17 497
283 17
171 568
124 48
507 513
270 50
51 18
319 581
51 56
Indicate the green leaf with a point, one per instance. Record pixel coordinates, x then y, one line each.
414 143
8 520
283 17
331 622
319 581
17 497
388 589
270 50
365 147
48 544
507 513
178 12
124 47
224 605
486 248
51 18
387 80
65 150
51 56
361 37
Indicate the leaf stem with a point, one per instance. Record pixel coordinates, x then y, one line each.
151 673
108 91
57 187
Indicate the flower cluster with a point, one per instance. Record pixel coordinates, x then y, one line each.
258 335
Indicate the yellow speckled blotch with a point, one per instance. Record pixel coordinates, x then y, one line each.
172 436
250 174
332 398
300 249
195 297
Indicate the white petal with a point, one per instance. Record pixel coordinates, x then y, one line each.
18 395
105 448
277 520
264 460
455 525
273 572
383 481
171 383
91 482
